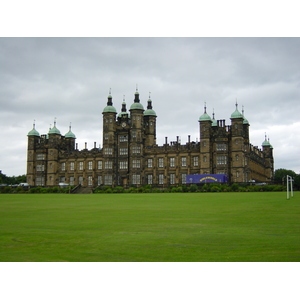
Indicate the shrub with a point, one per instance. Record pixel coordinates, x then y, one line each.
118 189
193 188
234 187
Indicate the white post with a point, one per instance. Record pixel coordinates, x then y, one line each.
287 187
290 180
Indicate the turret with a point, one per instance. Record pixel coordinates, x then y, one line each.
109 142
237 147
269 161
70 138
150 124
54 140
136 141
205 123
33 140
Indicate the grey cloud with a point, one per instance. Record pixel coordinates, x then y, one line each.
70 78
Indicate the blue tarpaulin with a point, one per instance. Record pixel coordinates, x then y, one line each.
219 178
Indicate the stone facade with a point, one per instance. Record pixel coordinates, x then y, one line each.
130 155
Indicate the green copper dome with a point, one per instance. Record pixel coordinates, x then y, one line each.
236 114
109 108
70 134
137 105
54 130
150 111
33 132
205 117
122 113
266 143
245 121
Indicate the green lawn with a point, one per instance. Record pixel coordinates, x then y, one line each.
150 227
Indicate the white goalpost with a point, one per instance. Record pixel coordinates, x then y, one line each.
289 186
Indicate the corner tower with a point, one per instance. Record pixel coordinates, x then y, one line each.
136 161
238 140
33 140
109 142
150 125
205 124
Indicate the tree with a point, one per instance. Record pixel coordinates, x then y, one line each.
297 182
280 175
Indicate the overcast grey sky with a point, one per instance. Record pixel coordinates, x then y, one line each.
69 79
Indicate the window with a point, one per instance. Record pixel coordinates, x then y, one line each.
183 178
72 166
108 165
150 161
237 157
40 168
172 162
123 151
183 161
195 160
221 147
108 151
134 134
99 164
136 179
136 163
99 180
81 165
149 179
90 180
108 180
123 138
71 180
123 165
204 159
90 165
237 174
221 159
172 178
62 179
80 179
161 179
63 166
105 136
160 162
136 149
40 156
40 180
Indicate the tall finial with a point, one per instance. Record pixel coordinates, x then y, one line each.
205 107
136 88
55 122
265 136
243 110
123 98
70 126
149 95
109 91
34 124
213 113
236 104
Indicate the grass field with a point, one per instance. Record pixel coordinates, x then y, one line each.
150 227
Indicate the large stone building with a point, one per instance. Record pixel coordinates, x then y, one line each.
130 155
